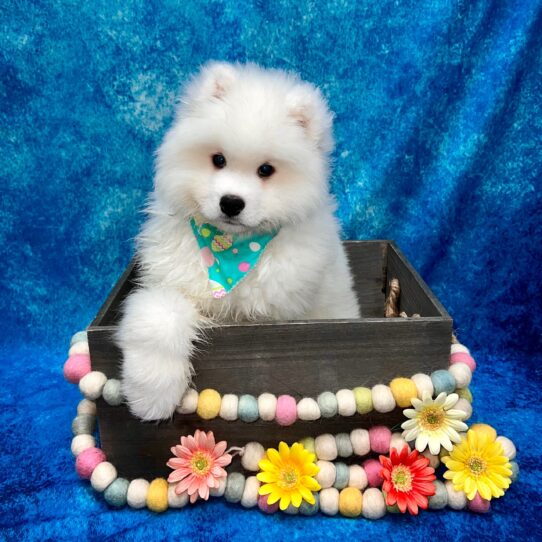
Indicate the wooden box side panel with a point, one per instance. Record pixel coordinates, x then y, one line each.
416 296
303 359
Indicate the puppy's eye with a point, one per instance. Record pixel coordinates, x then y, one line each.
219 161
266 170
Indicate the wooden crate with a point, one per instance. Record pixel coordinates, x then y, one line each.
300 358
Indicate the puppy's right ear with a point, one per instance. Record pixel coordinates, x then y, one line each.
211 83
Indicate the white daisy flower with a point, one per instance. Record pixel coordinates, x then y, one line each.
434 422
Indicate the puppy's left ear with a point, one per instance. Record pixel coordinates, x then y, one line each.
308 108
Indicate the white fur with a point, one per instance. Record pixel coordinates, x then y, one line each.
251 116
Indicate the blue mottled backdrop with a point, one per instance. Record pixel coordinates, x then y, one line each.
438 125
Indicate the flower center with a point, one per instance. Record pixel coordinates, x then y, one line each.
200 464
476 465
401 478
289 478
432 418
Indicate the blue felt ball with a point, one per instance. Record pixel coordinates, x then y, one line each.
248 408
443 381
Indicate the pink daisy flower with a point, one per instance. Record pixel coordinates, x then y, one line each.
198 464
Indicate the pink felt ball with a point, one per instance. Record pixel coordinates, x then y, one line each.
244 267
76 367
478 505
87 461
380 438
286 413
463 357
267 508
373 470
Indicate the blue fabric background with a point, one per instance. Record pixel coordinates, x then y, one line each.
438 127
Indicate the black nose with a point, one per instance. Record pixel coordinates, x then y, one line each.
231 205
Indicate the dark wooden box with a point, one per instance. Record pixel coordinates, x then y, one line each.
300 358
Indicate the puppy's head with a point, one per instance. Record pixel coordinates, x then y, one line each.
248 149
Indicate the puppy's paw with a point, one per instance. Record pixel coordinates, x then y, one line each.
156 335
153 383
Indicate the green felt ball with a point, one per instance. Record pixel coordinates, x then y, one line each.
116 492
440 498
327 402
84 424
307 509
111 393
342 474
235 485
344 445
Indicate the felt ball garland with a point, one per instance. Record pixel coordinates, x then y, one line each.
352 490
284 409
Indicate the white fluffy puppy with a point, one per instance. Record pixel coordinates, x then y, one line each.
248 154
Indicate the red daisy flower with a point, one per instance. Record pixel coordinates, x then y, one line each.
408 480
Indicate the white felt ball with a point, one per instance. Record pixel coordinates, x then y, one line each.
308 409
80 347
357 477
383 400
329 501
326 476
137 493
102 476
189 402
397 441
92 384
267 406
346 402
228 407
457 500
80 443
250 493
361 444
86 407
325 447
508 447
462 374
434 460
174 500
465 406
374 506
423 384
457 347
219 491
252 455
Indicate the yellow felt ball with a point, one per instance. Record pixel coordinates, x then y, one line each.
364 400
403 390
484 429
208 404
308 444
350 502
157 495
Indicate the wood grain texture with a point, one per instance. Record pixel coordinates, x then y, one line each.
300 358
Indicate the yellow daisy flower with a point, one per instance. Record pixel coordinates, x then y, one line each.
287 475
478 464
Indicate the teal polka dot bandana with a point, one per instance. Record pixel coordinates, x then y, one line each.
227 257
